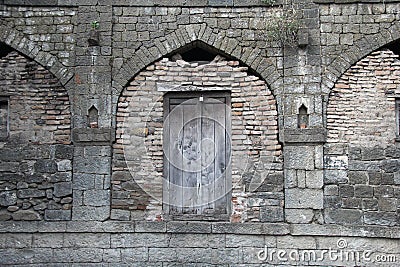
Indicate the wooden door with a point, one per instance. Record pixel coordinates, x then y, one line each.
197 154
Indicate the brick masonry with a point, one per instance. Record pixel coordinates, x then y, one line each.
361 167
335 180
254 138
36 155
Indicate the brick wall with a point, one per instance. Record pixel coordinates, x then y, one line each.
138 152
36 157
362 169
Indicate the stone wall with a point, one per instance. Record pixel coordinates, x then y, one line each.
36 155
361 174
85 67
138 153
49 28
195 244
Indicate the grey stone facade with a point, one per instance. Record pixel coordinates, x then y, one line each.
79 78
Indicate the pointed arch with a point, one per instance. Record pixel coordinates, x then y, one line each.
187 34
359 50
21 43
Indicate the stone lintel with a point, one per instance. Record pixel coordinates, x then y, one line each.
311 135
93 136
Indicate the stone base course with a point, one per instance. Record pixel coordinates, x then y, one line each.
185 243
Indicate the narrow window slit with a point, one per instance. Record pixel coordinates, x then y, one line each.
303 117
93 117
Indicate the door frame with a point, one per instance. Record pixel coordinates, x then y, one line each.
228 176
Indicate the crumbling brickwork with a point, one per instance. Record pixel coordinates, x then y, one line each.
361 177
36 155
138 152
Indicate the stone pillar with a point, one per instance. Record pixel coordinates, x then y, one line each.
302 127
303 153
92 132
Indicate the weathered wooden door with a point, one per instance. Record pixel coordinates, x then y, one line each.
197 154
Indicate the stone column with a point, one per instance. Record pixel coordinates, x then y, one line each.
302 127
303 153
92 131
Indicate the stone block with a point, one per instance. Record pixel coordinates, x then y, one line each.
331 190
351 203
346 190
93 136
120 215
301 178
15 240
31 193
375 178
271 214
96 198
396 178
286 242
48 240
388 178
303 198
64 152
290 178
5 216
343 216
245 228
336 162
150 227
391 165
364 191
26 215
314 135
358 177
388 204
228 256
374 166
299 215
62 189
84 181
372 153
236 241
135 255
87 240
78 255
36 256
64 165
299 157
60 177
45 166
315 179
8 198
137 240
383 191
85 213
335 176
381 218
370 204
57 215
196 241
95 165
188 227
